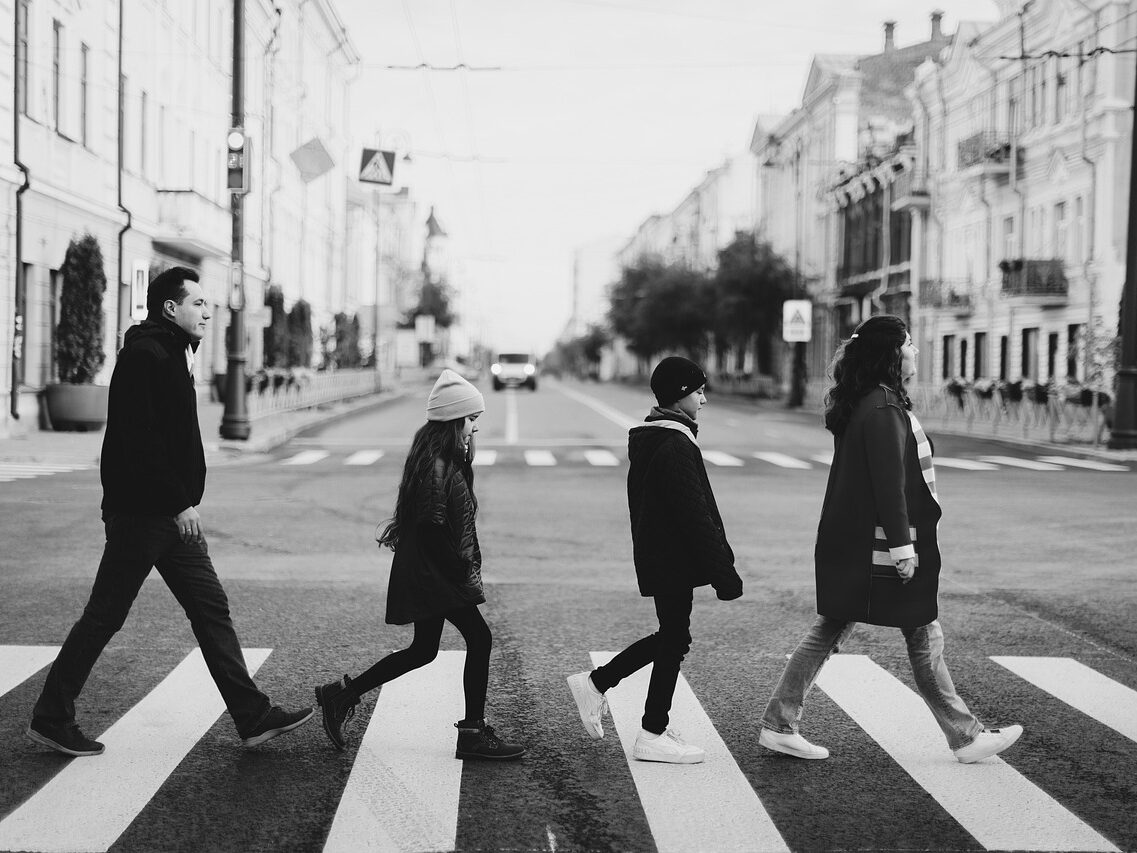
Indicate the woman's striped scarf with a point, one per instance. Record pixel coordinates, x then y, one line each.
924 451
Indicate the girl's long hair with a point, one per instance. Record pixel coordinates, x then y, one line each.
434 440
870 357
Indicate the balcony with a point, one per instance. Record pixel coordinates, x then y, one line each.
985 153
1036 281
954 295
191 223
910 191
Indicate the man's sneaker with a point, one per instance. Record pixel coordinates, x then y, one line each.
667 747
792 744
590 702
988 742
276 722
478 741
65 738
337 701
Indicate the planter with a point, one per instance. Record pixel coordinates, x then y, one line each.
77 407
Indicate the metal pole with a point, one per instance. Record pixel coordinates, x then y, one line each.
235 420
1123 436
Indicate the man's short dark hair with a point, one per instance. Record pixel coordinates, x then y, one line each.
170 284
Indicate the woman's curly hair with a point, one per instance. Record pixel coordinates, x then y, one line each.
870 357
434 440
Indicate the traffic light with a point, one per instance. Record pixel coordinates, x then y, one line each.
237 162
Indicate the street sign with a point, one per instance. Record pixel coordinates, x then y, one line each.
139 281
797 320
377 167
312 159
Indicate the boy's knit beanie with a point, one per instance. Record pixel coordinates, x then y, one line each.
674 378
452 397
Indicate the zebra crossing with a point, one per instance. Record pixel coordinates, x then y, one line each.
13 471
404 790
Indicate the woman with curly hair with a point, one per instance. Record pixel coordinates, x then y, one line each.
436 573
877 559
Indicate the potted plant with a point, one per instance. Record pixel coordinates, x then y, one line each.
75 402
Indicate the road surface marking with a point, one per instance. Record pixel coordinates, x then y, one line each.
364 457
91 801
540 458
783 461
1014 462
708 806
41 466
603 458
823 458
723 460
19 663
403 790
1080 687
963 464
485 457
1075 462
619 418
306 457
999 806
512 420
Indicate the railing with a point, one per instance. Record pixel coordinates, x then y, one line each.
987 146
1028 277
909 188
946 293
271 393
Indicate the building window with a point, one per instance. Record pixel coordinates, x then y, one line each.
142 135
23 15
1010 248
1060 229
1051 354
1003 348
1029 360
1073 347
979 368
963 358
84 71
56 72
948 359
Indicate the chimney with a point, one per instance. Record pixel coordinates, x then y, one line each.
889 29
937 31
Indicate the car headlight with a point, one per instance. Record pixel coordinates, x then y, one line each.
495 369
530 370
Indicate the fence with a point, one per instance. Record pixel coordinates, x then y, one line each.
271 393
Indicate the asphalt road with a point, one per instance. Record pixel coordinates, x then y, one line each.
1038 564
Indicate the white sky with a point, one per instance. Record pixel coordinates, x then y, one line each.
604 112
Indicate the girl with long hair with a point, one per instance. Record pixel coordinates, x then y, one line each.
877 558
436 572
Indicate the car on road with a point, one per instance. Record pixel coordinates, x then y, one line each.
514 369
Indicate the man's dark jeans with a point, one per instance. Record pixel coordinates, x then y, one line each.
135 544
665 649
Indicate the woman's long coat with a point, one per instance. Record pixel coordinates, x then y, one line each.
438 563
877 500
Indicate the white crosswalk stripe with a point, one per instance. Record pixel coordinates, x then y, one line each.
1091 464
12 471
485 457
540 458
306 457
1015 462
364 457
723 460
999 806
708 806
602 458
783 461
19 663
963 464
823 458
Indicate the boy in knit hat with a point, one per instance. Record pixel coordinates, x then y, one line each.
678 543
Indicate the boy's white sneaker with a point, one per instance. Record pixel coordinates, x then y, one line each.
667 747
792 744
989 742
590 702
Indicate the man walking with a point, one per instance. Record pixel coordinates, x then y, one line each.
153 474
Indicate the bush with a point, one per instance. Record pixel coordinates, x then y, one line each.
79 336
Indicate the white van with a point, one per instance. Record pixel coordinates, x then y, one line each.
514 369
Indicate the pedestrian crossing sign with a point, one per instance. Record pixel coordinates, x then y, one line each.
797 320
377 167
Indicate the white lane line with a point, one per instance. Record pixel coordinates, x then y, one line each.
1080 687
617 417
364 457
540 458
37 466
708 806
603 458
1075 462
306 457
1014 462
403 790
512 419
19 663
485 457
963 464
723 460
823 458
999 806
784 461
25 475
100 797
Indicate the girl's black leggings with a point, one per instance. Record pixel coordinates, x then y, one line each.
424 648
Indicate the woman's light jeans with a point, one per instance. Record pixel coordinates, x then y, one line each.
925 653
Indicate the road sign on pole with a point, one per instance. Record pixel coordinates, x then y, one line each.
377 167
797 320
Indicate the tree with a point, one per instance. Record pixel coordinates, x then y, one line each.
750 285
276 348
79 337
346 352
434 300
300 335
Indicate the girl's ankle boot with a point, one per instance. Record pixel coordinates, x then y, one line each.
337 701
478 741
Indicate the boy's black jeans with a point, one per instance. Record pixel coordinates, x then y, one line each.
665 649
135 544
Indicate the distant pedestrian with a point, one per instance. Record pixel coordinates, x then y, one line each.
436 573
153 475
678 544
877 558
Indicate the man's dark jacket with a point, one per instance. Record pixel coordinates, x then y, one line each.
153 462
678 541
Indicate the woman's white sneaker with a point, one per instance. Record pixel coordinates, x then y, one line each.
668 747
590 702
987 743
792 744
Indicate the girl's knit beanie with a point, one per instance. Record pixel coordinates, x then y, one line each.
452 397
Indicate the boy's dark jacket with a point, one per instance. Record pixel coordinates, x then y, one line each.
152 461
678 541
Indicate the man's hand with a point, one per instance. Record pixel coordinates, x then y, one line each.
906 568
729 593
189 525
